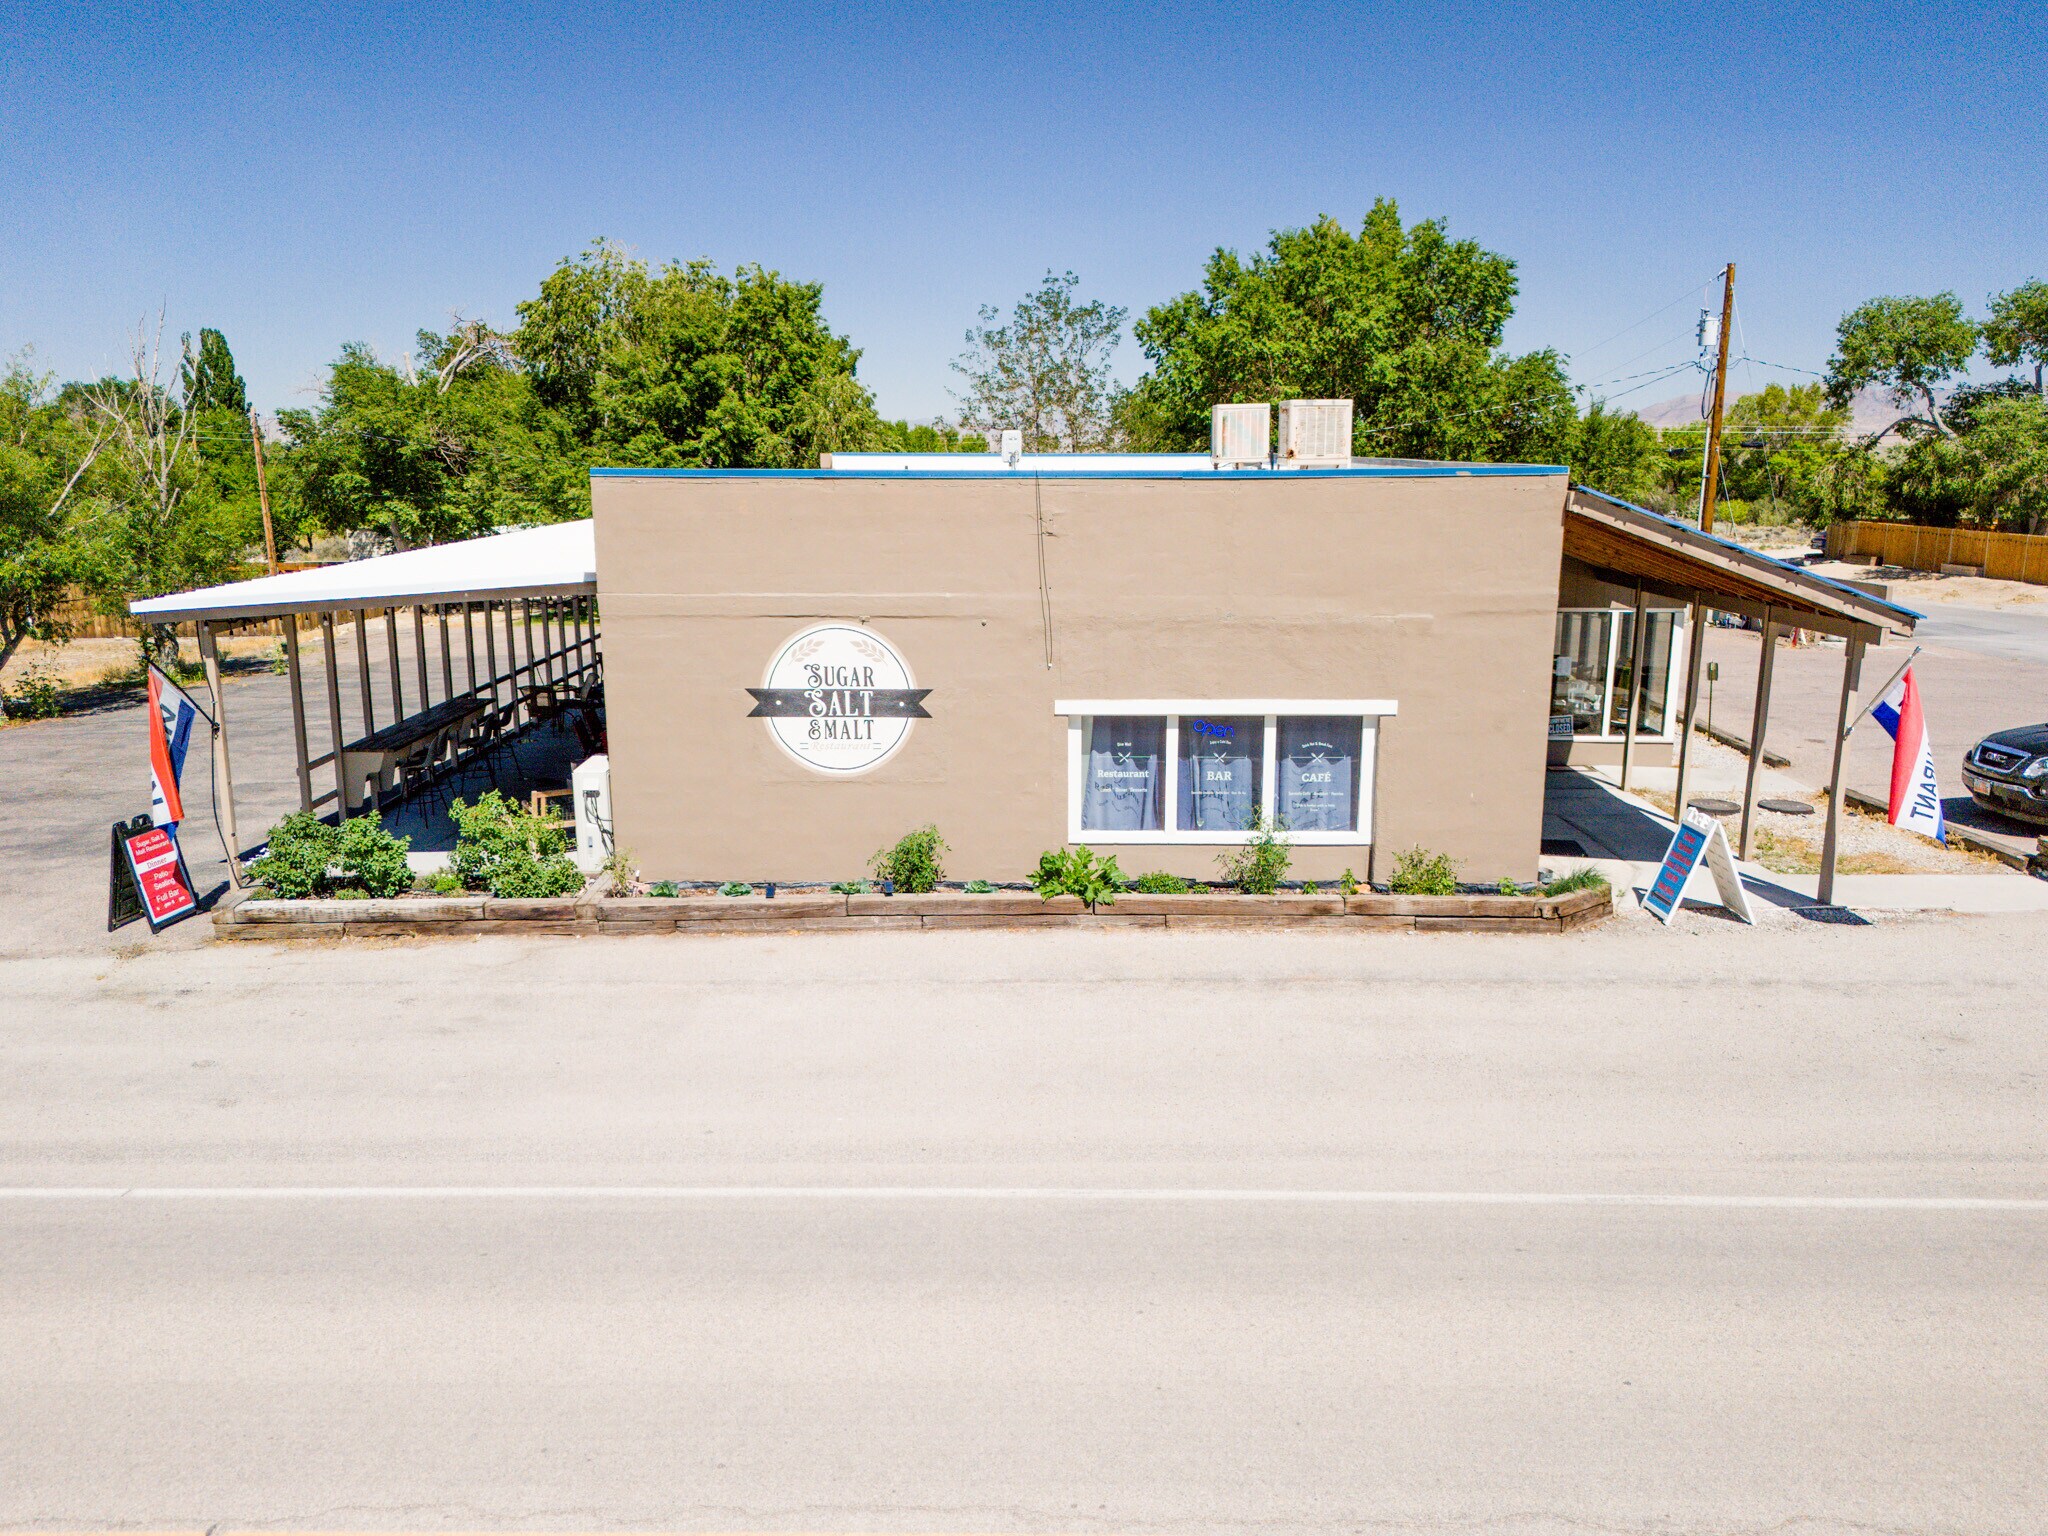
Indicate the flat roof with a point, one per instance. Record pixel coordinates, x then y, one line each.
1077 466
554 560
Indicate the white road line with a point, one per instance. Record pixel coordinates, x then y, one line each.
1052 1194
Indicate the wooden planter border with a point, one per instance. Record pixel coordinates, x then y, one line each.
811 912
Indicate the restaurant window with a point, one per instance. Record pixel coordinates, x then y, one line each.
1220 759
1175 771
1593 665
1124 779
1318 770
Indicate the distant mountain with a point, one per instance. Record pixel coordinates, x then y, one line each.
1871 409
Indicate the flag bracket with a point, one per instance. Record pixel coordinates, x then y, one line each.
1877 698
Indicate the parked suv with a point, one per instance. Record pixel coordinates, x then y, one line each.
2007 772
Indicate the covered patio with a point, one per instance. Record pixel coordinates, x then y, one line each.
1641 555
503 659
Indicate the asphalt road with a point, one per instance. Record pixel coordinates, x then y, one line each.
1713 1229
2015 634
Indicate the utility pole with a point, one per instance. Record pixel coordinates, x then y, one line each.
1711 487
263 495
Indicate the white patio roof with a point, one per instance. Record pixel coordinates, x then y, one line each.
559 560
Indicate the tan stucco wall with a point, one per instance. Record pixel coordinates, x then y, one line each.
1438 592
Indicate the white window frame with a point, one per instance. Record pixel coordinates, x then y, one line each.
1680 637
1080 712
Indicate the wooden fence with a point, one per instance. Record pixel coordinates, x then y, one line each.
2005 556
87 623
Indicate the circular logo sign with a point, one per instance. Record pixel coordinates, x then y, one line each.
839 699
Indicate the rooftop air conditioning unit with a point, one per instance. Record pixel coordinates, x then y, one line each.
1315 434
1240 434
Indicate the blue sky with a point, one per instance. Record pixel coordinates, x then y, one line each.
310 175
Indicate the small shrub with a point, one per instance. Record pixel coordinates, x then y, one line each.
665 888
351 893
850 887
34 695
1584 878
509 852
1310 888
913 863
1160 883
1347 883
979 888
278 660
735 888
1508 887
1261 864
295 862
444 882
1075 872
1418 872
372 858
619 873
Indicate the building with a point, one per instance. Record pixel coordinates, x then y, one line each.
1145 653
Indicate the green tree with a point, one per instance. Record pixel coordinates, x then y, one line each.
426 457
928 437
2005 461
1402 320
687 367
163 526
47 460
209 379
1910 346
1618 453
1046 372
1775 446
2017 332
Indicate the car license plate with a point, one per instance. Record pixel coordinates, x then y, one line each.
1980 786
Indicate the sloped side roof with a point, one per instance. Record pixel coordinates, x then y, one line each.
1677 560
559 560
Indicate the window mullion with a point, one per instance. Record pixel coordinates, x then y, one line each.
1269 759
1169 813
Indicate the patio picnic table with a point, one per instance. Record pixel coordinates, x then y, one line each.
375 756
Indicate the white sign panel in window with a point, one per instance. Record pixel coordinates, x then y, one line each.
1317 773
1123 778
839 699
1220 762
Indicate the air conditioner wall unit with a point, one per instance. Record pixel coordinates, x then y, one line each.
1315 434
1240 434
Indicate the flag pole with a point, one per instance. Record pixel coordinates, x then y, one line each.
1877 698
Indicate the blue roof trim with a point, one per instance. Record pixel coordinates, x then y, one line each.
1754 554
1366 472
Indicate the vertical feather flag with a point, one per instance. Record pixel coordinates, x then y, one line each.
1916 795
171 717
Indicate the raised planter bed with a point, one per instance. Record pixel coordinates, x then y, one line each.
811 912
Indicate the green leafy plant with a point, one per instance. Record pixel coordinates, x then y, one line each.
619 872
1508 887
1418 872
1310 888
979 888
850 887
665 888
34 695
1347 883
444 882
914 862
351 893
735 888
1584 878
1261 864
306 857
510 852
1075 872
295 860
1159 883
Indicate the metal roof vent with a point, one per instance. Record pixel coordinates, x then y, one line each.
1012 448
1240 434
1315 434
